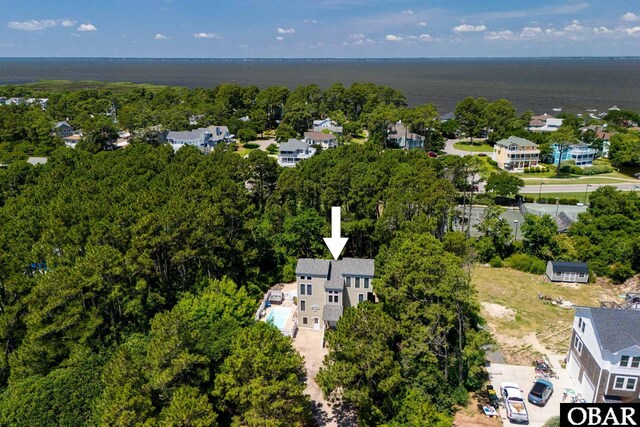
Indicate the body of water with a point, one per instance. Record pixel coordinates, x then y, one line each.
539 84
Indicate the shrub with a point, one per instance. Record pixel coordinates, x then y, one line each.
528 199
250 146
496 262
568 201
527 170
598 169
272 148
526 263
553 422
492 162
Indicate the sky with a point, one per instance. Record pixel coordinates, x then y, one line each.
318 28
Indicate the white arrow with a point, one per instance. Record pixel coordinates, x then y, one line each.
335 243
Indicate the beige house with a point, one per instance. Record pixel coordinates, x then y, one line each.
326 288
515 154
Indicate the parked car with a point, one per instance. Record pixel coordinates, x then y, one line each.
514 403
637 175
540 392
432 154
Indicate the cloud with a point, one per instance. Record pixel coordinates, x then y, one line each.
357 36
86 27
408 12
422 24
207 36
466 28
501 35
67 23
279 38
630 17
161 37
310 21
32 24
602 30
634 31
74 35
286 30
393 38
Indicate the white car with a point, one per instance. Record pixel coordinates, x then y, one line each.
514 403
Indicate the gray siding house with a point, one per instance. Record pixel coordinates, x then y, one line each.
604 354
326 288
292 151
203 138
563 271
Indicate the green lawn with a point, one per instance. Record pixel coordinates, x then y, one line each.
577 179
518 291
475 147
68 85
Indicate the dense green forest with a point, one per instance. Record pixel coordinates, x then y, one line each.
129 279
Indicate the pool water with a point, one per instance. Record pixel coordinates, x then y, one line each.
278 315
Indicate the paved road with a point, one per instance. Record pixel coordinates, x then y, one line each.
576 188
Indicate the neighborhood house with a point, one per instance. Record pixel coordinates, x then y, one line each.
515 154
63 129
400 136
325 140
572 272
326 124
203 138
544 123
581 153
326 288
292 151
604 355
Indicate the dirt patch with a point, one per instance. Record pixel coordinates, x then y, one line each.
499 311
473 416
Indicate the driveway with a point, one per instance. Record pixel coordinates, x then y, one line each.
450 149
524 376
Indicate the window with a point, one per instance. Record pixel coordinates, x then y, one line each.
309 289
581 324
303 305
305 321
334 296
360 297
357 282
630 361
625 383
577 344
302 288
366 282
581 275
348 282
557 274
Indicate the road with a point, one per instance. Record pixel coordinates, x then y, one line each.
576 188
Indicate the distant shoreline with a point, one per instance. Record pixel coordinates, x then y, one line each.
304 59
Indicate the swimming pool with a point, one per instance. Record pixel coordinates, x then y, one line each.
278 315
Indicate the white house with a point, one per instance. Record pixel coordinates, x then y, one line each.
544 123
294 150
604 354
202 138
325 140
320 125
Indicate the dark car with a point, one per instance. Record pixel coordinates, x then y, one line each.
540 392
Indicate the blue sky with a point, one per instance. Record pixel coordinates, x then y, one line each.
318 28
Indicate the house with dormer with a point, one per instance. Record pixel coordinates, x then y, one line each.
327 124
515 154
293 151
326 288
604 354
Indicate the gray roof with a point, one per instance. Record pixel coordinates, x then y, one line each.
563 221
448 116
188 135
335 279
63 123
319 136
356 266
331 313
570 267
293 145
616 329
520 142
37 160
312 267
